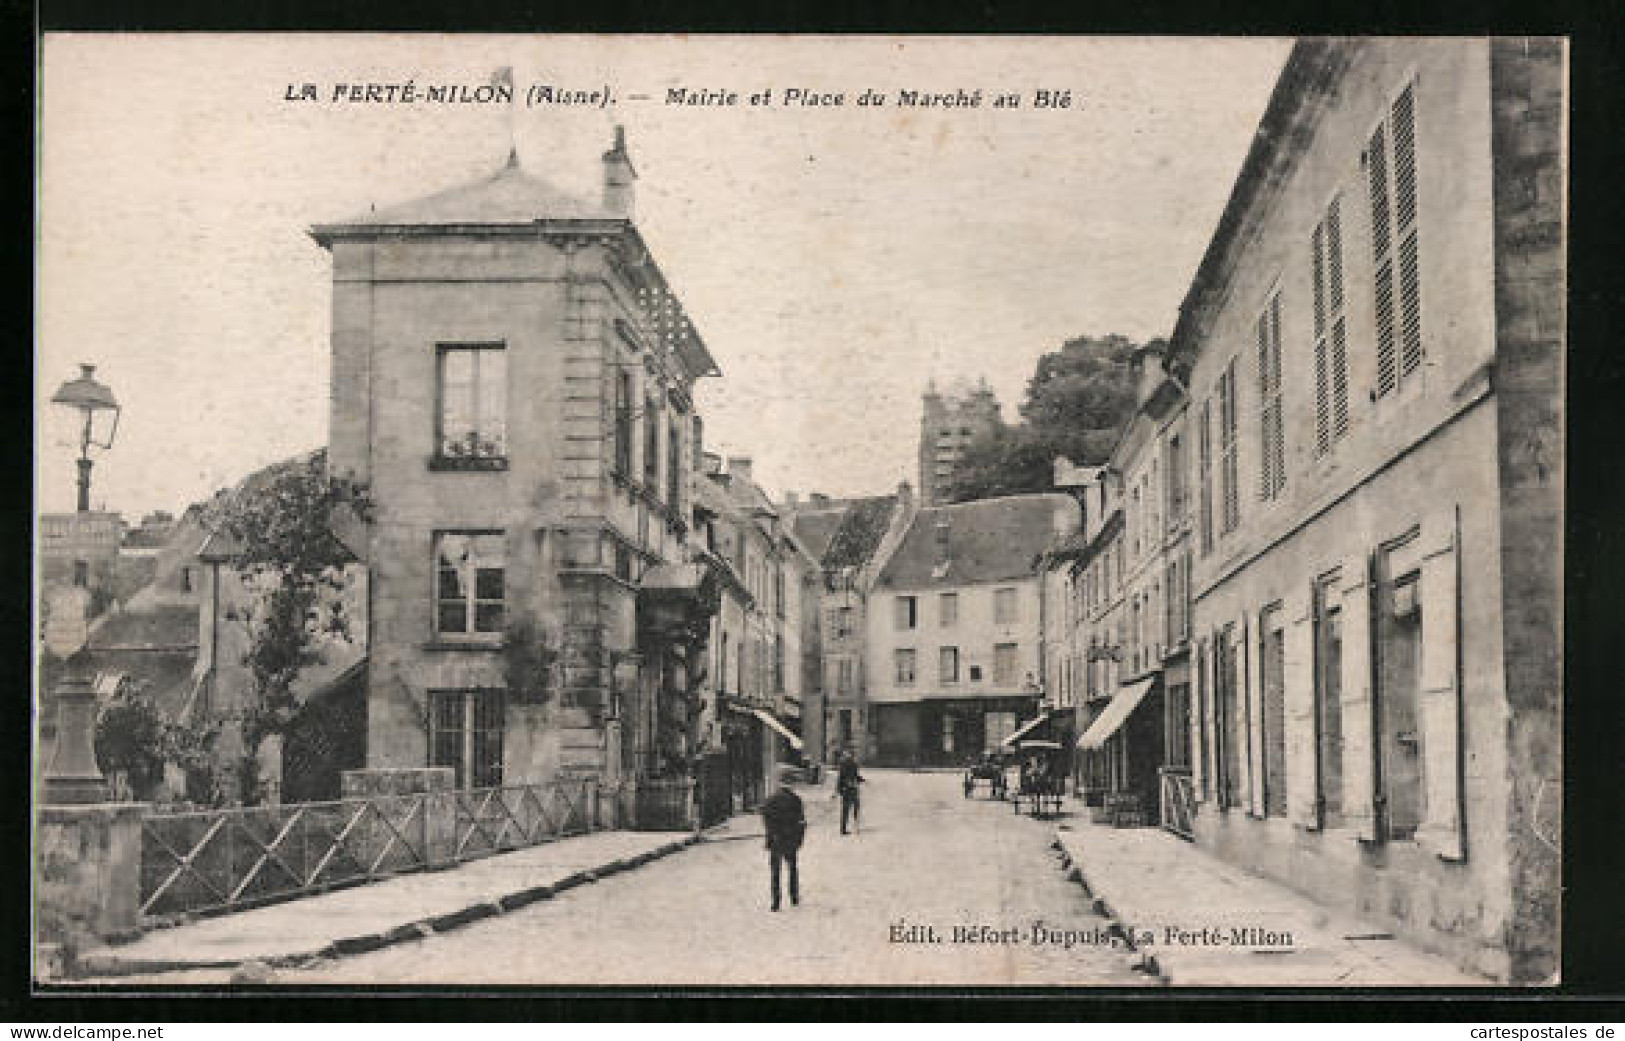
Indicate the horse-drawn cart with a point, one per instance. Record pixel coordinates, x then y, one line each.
1043 778
989 771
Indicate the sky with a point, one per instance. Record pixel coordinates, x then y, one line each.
834 258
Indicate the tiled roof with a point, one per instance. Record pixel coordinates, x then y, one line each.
862 527
509 196
815 529
987 540
156 625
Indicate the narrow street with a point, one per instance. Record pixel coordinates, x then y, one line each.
926 857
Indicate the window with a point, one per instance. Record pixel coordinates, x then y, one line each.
1273 706
1401 755
1177 747
904 659
722 665
1134 521
473 391
1004 606
843 676
948 665
1331 334
469 580
948 610
1205 444
906 616
1231 738
778 664
186 580
674 463
845 728
623 423
975 673
1390 162
651 443
1329 702
465 733
81 573
1004 664
778 590
1176 479
1271 446
1229 497
842 625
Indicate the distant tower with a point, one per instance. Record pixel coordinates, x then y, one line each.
947 425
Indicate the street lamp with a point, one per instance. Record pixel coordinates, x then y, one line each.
94 400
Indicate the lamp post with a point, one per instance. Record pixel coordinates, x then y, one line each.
72 775
93 399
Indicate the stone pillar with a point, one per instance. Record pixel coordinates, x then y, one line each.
72 776
88 877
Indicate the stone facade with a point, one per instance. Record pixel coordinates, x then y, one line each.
512 379
953 632
948 423
1373 349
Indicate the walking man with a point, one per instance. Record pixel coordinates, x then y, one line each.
786 824
846 784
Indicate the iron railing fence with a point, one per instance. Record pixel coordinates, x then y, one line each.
224 860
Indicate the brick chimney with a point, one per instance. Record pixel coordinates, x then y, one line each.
905 493
618 178
710 463
817 499
739 468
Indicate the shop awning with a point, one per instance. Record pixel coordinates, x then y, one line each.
1023 730
1126 701
773 721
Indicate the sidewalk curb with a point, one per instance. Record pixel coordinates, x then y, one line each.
105 963
1119 927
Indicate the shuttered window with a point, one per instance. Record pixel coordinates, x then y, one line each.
1271 444
1229 495
1272 711
1390 162
1205 439
1331 331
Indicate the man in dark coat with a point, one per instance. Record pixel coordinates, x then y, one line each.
786 823
846 784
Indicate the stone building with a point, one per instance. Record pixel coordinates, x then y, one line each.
753 684
1373 346
1123 592
948 423
954 631
850 539
513 380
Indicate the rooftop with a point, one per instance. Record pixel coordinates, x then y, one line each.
511 195
985 540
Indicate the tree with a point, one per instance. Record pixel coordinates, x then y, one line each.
1077 402
130 740
282 522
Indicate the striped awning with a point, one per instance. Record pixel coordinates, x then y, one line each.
1023 730
1126 701
773 721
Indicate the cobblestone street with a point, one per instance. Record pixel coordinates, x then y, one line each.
925 857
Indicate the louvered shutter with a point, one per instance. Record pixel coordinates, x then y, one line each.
1221 666
1302 738
1359 750
1440 713
1198 710
1253 718
1377 180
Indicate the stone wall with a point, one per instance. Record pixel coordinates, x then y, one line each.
88 874
1529 109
